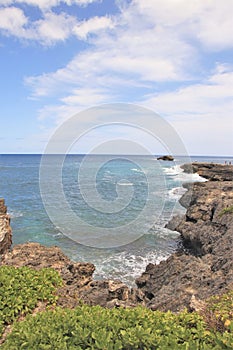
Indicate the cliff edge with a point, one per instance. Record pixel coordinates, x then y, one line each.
204 265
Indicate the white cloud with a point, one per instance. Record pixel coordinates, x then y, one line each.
12 20
93 25
209 21
148 46
201 113
80 2
54 27
48 4
149 43
48 30
207 97
85 97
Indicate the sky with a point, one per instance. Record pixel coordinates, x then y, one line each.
60 57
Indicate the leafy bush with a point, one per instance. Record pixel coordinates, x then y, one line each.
89 327
22 288
97 328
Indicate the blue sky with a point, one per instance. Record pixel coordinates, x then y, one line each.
60 57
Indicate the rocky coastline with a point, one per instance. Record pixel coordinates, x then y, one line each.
5 228
201 268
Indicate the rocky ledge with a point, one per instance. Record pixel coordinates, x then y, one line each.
5 229
77 277
204 265
201 268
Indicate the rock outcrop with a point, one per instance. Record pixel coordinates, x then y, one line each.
5 229
77 277
168 158
204 266
211 171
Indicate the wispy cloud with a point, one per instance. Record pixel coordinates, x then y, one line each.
45 4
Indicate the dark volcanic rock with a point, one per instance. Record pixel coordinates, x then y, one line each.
210 171
205 266
5 229
169 158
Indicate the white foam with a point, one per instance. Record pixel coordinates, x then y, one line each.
125 183
137 170
15 214
176 192
173 171
178 174
127 266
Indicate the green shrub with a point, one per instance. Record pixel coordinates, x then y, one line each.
97 328
89 327
227 210
22 288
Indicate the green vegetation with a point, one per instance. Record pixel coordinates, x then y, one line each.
218 312
98 328
94 327
227 210
22 288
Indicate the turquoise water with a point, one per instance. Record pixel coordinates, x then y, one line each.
148 181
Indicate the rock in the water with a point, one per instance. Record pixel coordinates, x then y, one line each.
168 158
5 229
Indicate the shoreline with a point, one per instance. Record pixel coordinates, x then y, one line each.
195 272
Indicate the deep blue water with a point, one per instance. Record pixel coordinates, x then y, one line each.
137 182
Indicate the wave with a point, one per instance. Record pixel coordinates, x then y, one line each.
127 266
178 174
175 193
125 183
15 214
137 170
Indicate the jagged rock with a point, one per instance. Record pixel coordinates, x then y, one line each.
37 256
174 222
77 277
5 229
168 158
210 171
204 267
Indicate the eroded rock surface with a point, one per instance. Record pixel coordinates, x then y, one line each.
77 277
5 229
204 267
211 171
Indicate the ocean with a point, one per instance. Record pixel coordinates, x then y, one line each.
122 205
